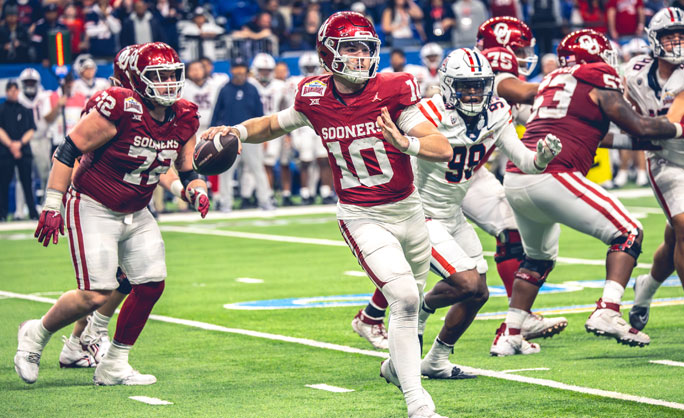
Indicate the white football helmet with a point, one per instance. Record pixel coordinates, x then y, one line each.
29 81
466 73
667 21
431 55
309 64
263 66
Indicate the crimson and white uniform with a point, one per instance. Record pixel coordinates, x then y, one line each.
379 211
654 97
304 140
105 209
422 74
562 194
90 89
443 186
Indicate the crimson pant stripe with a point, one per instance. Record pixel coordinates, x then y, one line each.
70 227
608 199
591 203
442 262
659 194
77 220
359 254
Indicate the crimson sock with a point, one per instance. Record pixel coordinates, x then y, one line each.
375 310
507 269
135 311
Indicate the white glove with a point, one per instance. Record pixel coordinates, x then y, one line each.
547 149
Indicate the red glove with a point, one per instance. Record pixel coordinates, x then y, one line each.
199 200
49 223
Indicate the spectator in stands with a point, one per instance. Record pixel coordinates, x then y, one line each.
28 11
511 8
278 23
167 14
298 14
397 22
219 79
470 14
625 18
592 14
14 37
549 63
545 22
41 34
16 130
73 20
204 32
257 28
439 19
651 7
102 28
141 26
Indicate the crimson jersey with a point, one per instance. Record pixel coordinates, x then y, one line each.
563 107
368 171
502 60
123 173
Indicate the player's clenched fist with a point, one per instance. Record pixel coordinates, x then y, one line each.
547 148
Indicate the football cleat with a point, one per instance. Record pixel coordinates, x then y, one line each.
507 345
607 321
74 356
27 359
425 412
447 371
373 333
95 341
537 326
638 315
110 373
390 375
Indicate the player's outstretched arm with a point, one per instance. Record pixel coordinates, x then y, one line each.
193 185
516 91
253 131
618 110
526 160
423 140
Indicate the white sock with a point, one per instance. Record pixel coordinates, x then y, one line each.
118 352
286 193
100 321
403 299
304 192
325 191
74 341
439 352
38 337
647 289
515 318
612 292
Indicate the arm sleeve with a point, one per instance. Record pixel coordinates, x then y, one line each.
514 149
289 119
410 118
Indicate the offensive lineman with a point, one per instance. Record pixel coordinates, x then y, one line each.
379 211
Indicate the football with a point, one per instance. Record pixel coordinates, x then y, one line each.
215 156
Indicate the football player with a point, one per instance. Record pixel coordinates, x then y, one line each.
653 81
474 123
576 103
87 84
431 55
272 93
360 116
145 131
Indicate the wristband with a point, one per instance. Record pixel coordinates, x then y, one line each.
678 130
242 130
176 188
53 200
413 146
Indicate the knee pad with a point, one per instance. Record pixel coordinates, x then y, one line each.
541 267
627 244
509 246
124 285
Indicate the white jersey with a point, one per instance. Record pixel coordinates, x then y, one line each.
41 106
272 95
204 97
654 97
442 185
89 89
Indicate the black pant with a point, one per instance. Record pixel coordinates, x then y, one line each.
7 164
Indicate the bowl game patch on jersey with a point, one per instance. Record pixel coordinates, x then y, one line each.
313 88
132 105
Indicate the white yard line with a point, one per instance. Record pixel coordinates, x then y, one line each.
248 280
668 363
346 349
150 401
526 370
323 386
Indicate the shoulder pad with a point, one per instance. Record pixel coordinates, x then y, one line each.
502 60
598 74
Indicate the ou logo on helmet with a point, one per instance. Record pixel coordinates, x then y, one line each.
502 33
589 44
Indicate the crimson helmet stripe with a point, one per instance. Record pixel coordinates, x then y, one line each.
669 10
470 58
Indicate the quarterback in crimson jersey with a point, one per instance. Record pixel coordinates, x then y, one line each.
362 119
576 103
130 139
